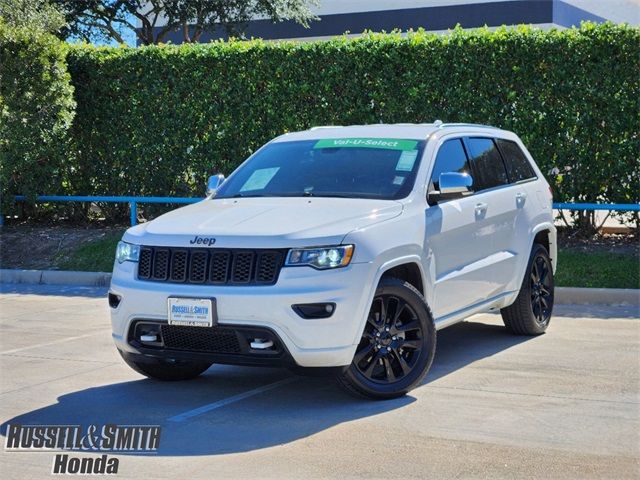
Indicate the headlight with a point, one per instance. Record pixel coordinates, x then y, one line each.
321 257
127 252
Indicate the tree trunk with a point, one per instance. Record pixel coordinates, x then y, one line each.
185 32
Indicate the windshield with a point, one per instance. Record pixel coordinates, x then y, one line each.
346 167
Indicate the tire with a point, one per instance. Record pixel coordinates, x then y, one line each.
530 313
397 346
166 371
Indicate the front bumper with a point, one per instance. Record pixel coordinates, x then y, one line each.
326 342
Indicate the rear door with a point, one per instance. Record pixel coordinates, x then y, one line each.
457 240
522 193
499 206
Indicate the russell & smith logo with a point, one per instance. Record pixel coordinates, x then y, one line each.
104 439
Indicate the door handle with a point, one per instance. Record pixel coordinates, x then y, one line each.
521 198
481 207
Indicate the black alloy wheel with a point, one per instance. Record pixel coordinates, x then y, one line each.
530 313
397 346
391 342
541 290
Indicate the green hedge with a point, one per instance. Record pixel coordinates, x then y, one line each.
157 120
36 110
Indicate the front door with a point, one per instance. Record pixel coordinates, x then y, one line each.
458 240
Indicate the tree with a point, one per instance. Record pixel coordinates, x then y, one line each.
91 19
33 15
36 106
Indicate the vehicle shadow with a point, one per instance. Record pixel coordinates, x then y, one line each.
464 343
295 410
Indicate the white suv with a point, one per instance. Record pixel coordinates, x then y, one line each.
341 249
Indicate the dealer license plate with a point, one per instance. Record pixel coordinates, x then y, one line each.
192 312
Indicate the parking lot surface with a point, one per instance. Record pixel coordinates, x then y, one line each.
562 405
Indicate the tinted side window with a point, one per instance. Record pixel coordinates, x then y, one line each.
450 158
487 167
518 167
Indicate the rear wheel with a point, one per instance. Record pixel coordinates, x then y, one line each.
397 345
530 314
166 370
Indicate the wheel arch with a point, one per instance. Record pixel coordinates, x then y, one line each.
545 234
410 272
399 264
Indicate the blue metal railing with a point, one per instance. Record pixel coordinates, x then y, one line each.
615 207
134 201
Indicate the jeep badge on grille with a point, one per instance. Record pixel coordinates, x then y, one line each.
202 241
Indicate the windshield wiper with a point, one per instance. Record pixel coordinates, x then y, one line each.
295 194
335 195
244 195
313 194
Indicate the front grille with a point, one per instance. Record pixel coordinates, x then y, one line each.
213 266
200 339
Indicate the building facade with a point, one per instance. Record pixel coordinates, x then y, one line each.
338 17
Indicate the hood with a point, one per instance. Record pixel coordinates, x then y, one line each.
264 222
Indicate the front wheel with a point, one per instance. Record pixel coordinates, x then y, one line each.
397 345
165 370
530 314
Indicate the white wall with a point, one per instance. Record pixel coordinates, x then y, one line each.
618 11
349 6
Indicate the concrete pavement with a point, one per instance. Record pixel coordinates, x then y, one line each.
562 405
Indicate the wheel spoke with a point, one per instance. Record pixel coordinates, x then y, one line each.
409 326
372 321
372 365
368 333
385 309
544 303
391 376
535 275
402 362
540 315
412 344
363 353
542 268
402 305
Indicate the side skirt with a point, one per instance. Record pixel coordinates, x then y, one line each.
491 304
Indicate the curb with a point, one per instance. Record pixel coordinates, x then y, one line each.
55 277
564 295
599 296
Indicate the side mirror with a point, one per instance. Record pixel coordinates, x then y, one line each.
452 185
214 183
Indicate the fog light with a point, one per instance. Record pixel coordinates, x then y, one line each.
314 310
261 344
149 333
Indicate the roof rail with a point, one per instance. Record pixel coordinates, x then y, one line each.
478 125
324 126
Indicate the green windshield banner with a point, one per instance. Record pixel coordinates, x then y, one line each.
388 143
